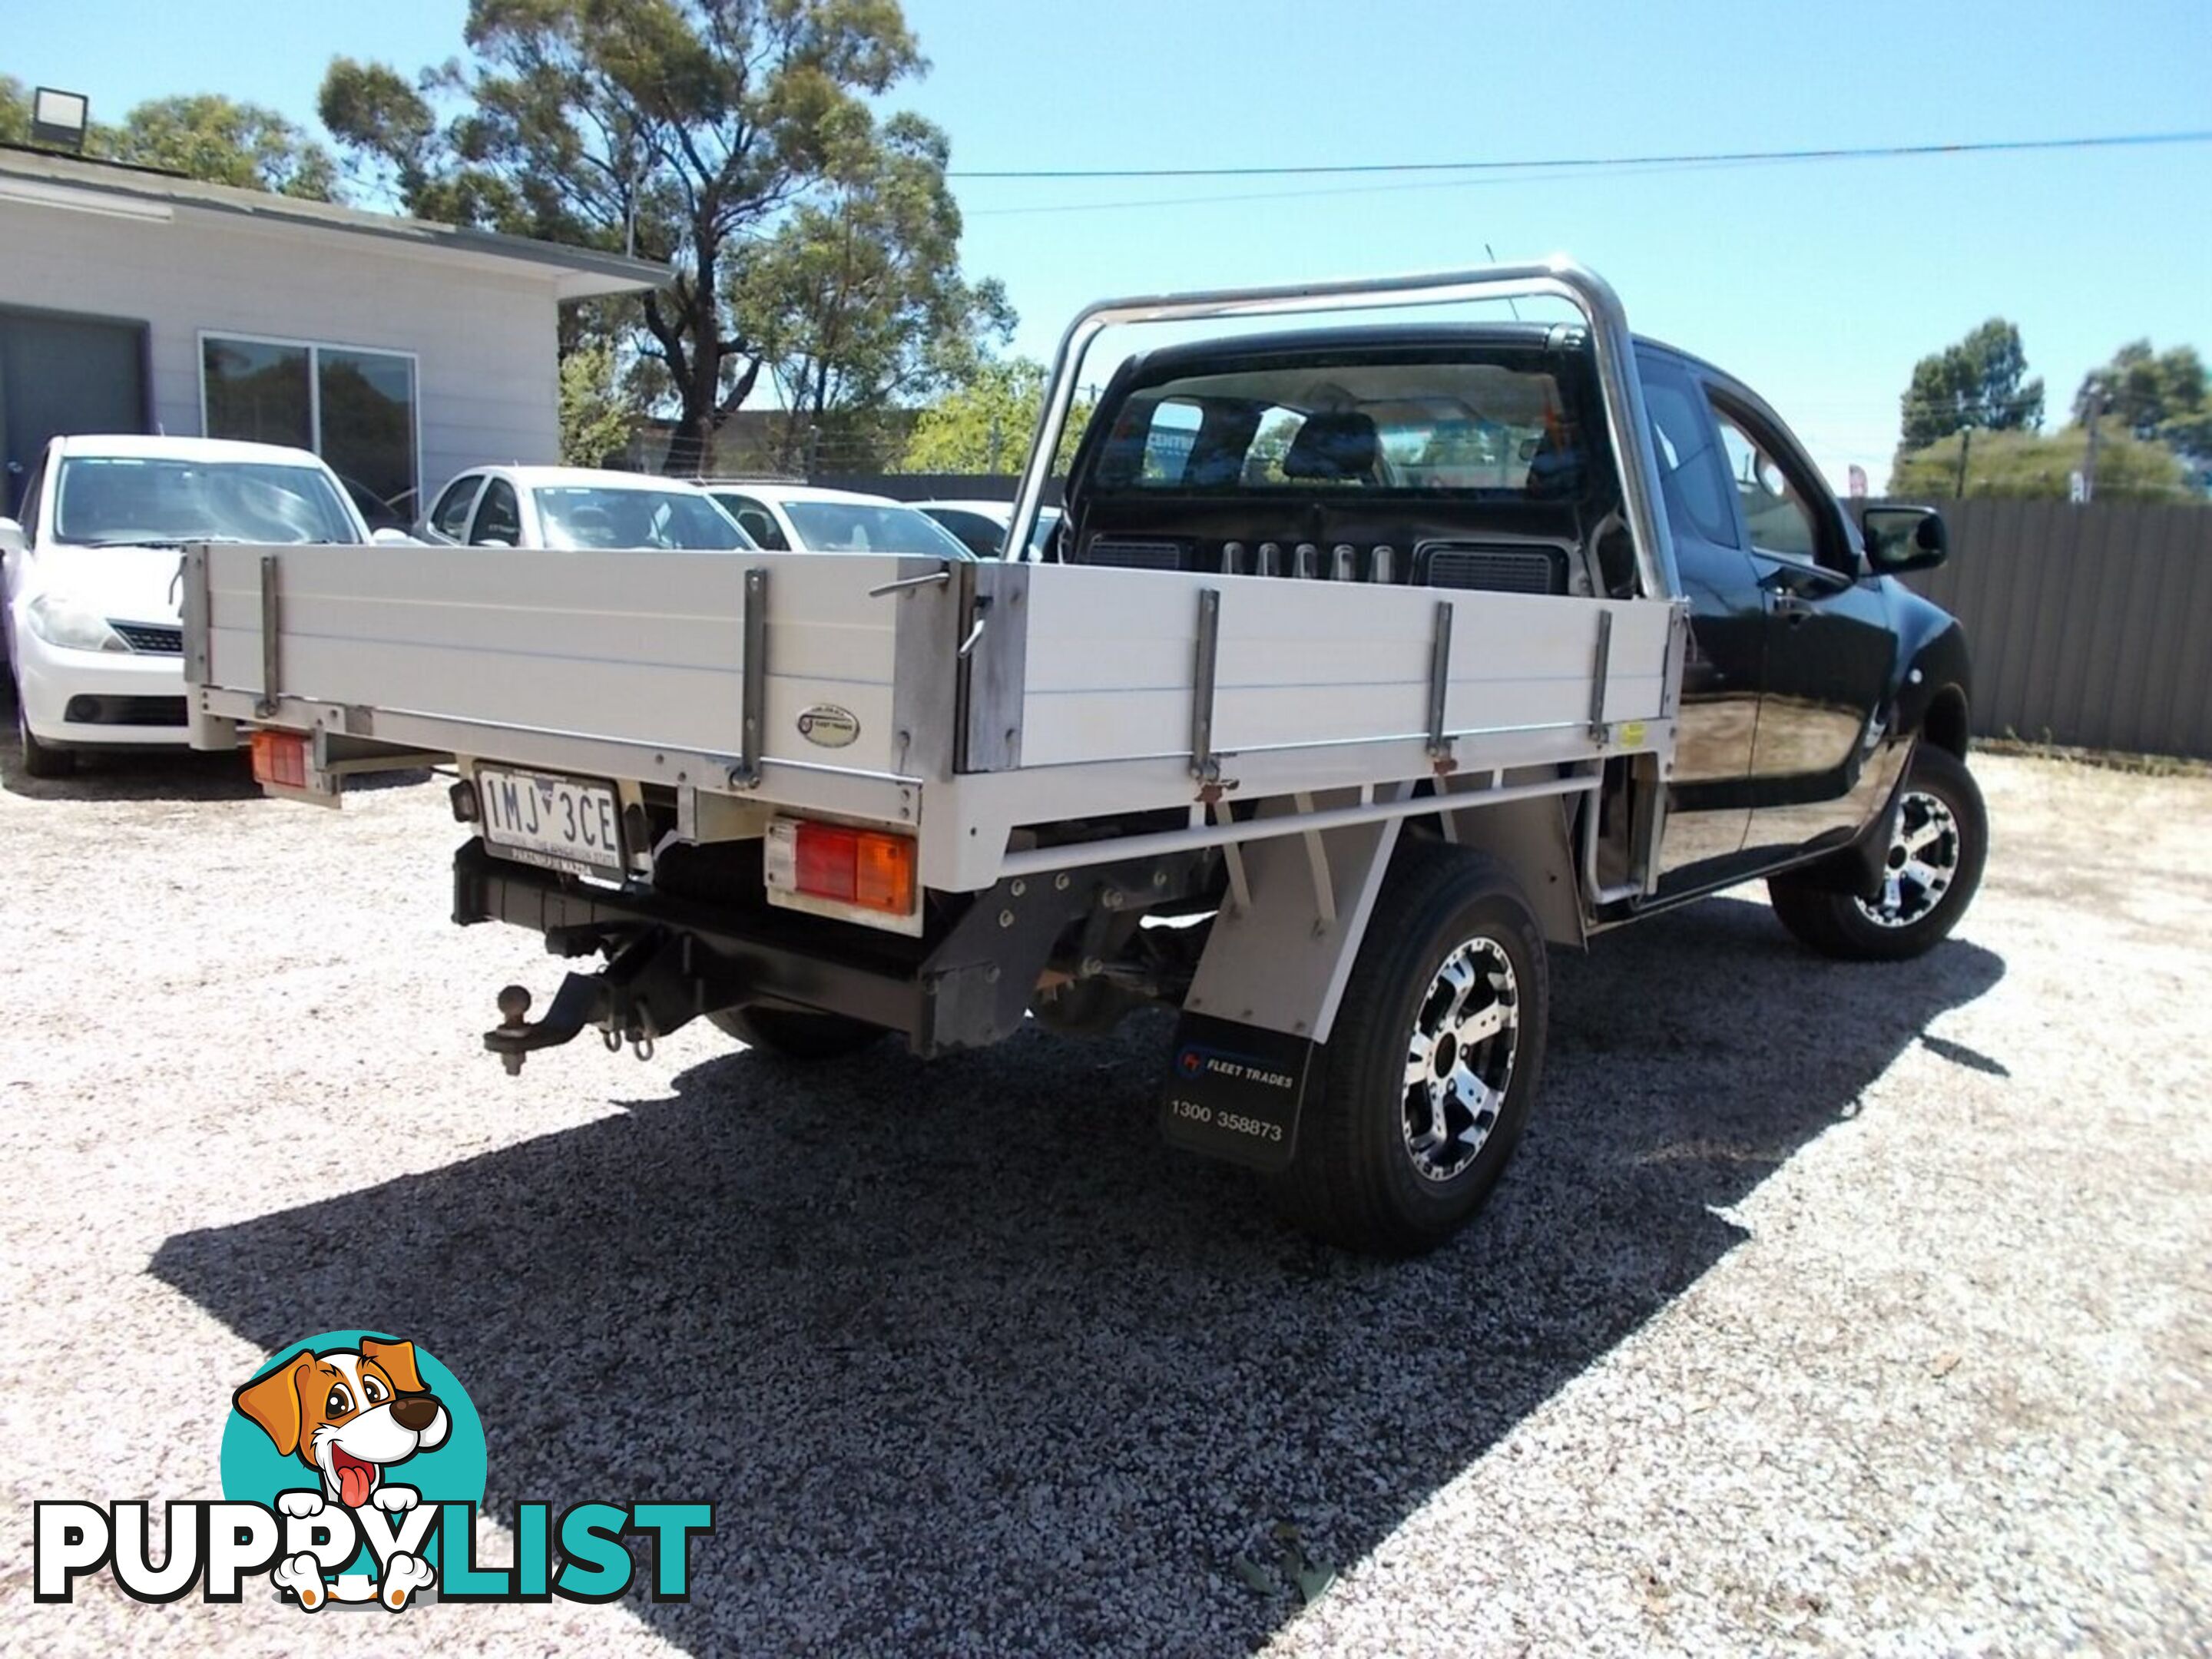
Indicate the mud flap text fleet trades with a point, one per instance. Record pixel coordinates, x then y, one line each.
1233 1091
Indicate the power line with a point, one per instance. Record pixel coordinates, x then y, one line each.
1867 152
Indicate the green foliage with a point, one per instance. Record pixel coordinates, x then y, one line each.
204 136
857 302
1980 382
708 134
2160 397
2037 466
223 142
14 111
598 409
987 424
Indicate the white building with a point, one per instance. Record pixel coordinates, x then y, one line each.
401 351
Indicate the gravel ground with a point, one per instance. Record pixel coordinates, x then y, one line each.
1833 1308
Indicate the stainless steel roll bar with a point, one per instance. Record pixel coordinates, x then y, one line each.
1611 344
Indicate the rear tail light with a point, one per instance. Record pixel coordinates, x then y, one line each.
838 865
280 759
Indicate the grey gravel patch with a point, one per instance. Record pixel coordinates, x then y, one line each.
1825 1309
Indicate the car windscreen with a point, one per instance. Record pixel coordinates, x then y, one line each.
133 500
1447 426
582 515
871 527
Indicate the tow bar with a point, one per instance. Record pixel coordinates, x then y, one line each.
645 991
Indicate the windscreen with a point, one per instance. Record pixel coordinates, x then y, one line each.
871 527
122 501
1507 428
583 516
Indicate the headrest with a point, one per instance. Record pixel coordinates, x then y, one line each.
1334 445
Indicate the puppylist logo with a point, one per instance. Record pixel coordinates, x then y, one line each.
353 1466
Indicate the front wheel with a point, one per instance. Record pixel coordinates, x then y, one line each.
793 1034
40 760
1433 1060
1938 843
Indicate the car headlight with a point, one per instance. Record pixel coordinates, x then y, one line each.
65 623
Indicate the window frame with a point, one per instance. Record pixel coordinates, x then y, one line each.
476 480
491 480
1834 554
35 500
1654 363
314 349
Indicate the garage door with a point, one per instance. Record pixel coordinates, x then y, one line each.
61 373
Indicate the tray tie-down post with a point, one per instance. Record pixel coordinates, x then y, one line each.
646 990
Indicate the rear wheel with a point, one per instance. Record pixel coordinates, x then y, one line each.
793 1034
1938 843
1433 1061
40 760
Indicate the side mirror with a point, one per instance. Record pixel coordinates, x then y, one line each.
1903 538
493 541
12 538
389 537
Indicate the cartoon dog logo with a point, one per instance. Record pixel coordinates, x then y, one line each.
349 1415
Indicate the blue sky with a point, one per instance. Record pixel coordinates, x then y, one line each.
1819 284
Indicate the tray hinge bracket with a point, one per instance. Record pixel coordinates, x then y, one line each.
1205 763
1440 743
265 706
753 629
1601 672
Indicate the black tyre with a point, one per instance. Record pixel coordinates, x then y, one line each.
1433 1061
1938 845
40 760
793 1034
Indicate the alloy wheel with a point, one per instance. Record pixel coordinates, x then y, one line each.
1924 851
1460 1057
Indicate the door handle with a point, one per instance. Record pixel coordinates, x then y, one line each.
1796 606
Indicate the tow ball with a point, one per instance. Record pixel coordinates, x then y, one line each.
582 1001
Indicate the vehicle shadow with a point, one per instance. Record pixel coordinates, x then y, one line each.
132 775
967 1360
135 774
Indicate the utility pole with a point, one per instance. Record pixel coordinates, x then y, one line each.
2095 400
1966 444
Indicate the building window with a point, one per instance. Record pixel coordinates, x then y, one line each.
355 409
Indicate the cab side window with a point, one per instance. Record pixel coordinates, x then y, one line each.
499 516
1776 512
1693 476
450 517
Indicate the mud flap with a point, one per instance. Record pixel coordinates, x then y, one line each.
1234 1090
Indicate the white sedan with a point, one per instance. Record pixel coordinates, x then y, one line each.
813 520
574 506
91 574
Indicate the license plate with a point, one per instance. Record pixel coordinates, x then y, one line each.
543 818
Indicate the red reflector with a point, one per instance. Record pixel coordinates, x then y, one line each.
281 758
870 868
828 862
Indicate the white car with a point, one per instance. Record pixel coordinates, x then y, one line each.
984 525
575 506
809 520
91 574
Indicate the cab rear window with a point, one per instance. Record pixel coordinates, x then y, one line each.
1420 426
